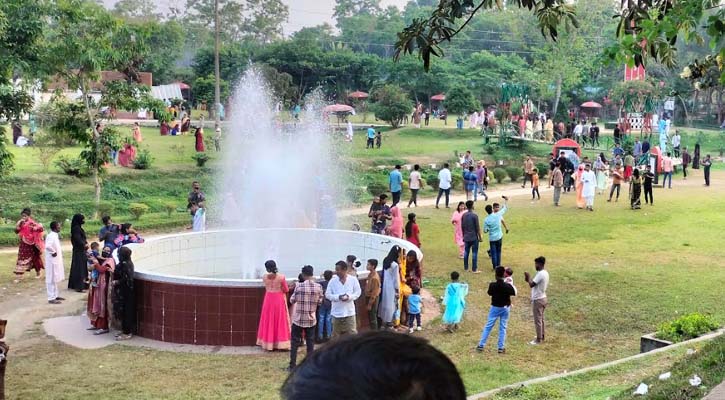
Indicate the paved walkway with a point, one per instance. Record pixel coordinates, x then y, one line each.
717 394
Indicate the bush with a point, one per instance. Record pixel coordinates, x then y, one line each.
499 174
432 180
200 158
7 159
686 327
456 179
514 173
105 208
72 166
113 190
169 208
377 188
490 149
543 170
143 160
355 194
46 197
58 215
137 210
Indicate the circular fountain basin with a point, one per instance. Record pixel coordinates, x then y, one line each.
206 288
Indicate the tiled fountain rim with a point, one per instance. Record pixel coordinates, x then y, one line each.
148 275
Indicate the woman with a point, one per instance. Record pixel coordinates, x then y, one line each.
391 288
199 135
549 131
457 231
412 231
185 125
31 246
127 155
396 224
579 186
97 308
413 270
274 322
124 300
635 190
128 235
600 168
137 133
78 270
164 129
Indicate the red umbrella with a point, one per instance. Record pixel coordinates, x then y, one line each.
183 86
591 104
338 108
438 97
358 95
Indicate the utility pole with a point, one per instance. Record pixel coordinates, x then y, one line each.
217 95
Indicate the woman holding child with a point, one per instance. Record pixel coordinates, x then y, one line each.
97 308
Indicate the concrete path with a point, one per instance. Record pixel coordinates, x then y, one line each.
717 394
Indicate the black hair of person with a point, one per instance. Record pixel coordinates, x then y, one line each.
391 257
540 260
270 266
392 366
455 275
409 225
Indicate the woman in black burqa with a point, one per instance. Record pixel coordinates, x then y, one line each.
78 266
124 300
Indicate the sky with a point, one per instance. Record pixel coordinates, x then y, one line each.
302 13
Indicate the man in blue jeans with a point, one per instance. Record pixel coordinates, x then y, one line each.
471 229
500 293
395 184
492 225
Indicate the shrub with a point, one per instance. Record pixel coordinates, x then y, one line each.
543 170
490 149
377 188
137 210
111 189
58 215
499 174
355 193
105 208
514 173
200 158
143 160
456 179
72 166
46 197
169 208
686 327
432 180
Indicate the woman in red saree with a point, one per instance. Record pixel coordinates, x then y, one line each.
199 134
274 322
97 308
31 247
127 155
164 130
185 125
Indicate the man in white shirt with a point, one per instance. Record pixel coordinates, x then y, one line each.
198 218
444 184
589 181
53 263
414 185
578 129
538 297
342 291
676 143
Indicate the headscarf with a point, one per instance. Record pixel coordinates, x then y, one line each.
125 268
78 220
391 257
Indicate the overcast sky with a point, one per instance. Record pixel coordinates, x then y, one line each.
302 13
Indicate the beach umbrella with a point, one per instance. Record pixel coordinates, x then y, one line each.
358 95
338 108
591 104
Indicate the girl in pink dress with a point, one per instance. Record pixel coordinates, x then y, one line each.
396 225
274 322
457 231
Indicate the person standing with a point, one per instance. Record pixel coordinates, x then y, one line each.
124 297
274 322
444 184
390 288
637 149
379 214
53 263
199 140
137 133
342 291
198 218
706 164
414 183
492 225
616 181
30 250
469 182
676 143
412 230
538 297
594 134
455 302
667 168
196 196
686 159
372 293
457 230
635 190
648 180
79 261
500 293
535 185
557 180
395 184
471 230
589 181
628 166
528 170
371 138
306 297
481 180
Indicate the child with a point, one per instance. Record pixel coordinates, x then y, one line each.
372 293
415 304
412 231
92 256
378 139
455 302
535 184
324 316
508 278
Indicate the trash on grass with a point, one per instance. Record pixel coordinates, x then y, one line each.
695 381
642 389
665 376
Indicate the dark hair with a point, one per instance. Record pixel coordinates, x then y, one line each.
106 219
341 264
636 172
373 262
95 244
125 227
77 220
414 265
327 275
668 154
307 270
455 275
540 260
351 258
489 209
397 166
416 167
300 278
383 196
270 266
54 225
391 257
395 367
409 225
499 271
471 168
509 271
26 211
469 204
416 290
445 165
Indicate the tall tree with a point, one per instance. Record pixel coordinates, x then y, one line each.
142 10
349 8
256 20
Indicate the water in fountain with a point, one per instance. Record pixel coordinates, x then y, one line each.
275 174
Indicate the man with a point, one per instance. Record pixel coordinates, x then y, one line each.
617 134
676 143
594 134
637 149
469 182
557 180
471 229
538 297
306 297
706 164
414 183
371 138
589 181
686 159
649 179
444 184
667 168
198 218
53 263
492 225
500 293
578 129
585 133
109 232
617 177
342 291
528 171
395 184
481 179
618 150
467 160
196 196
379 213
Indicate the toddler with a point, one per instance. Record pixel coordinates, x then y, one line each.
415 304
92 256
508 277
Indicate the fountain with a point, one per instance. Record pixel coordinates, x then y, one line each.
278 186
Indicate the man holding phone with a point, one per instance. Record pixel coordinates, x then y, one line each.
342 291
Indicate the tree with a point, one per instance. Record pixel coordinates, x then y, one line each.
142 10
459 100
391 104
255 20
167 41
348 8
204 89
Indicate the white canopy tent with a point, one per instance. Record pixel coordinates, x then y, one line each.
161 92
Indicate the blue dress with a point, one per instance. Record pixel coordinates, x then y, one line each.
455 302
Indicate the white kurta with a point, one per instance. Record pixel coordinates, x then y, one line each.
53 265
589 181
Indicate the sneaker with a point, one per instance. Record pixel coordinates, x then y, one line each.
479 349
411 330
501 351
534 342
54 301
420 328
59 298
